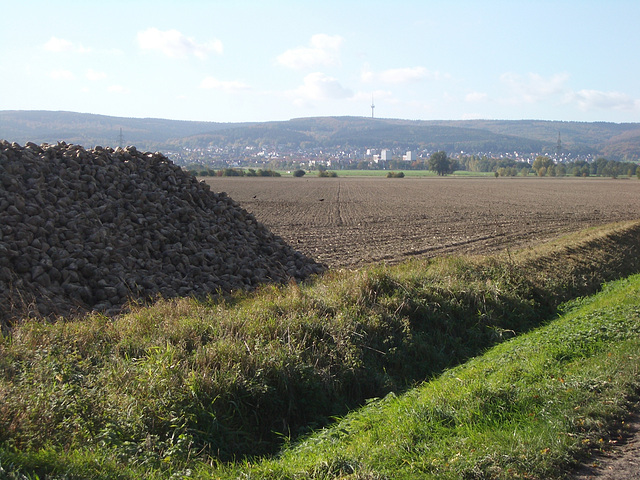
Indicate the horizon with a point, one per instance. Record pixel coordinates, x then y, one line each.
251 62
328 116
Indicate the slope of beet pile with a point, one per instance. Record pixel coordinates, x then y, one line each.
92 229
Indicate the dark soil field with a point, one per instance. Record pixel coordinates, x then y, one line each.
348 222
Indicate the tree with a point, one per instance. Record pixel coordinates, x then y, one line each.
611 169
600 165
440 163
541 162
561 170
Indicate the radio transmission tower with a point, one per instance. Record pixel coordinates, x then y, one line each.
372 105
121 139
559 145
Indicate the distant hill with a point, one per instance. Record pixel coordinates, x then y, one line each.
90 130
350 133
612 140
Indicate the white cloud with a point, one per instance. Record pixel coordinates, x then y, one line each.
94 75
594 99
62 75
56 44
534 87
401 75
59 45
476 97
318 86
174 44
367 76
119 89
323 50
229 86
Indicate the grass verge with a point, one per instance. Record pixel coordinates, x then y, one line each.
407 173
528 408
184 383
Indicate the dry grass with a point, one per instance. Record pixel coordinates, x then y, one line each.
184 381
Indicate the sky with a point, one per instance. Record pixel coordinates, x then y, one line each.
250 60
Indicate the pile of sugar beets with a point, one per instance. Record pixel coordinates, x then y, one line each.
91 229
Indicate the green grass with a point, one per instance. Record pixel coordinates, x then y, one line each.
183 383
383 173
407 173
528 408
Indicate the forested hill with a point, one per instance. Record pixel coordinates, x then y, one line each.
350 133
612 140
40 126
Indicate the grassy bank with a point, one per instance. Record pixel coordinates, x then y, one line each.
184 383
531 407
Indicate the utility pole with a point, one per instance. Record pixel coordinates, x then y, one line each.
559 145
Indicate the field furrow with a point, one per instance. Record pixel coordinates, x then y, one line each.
346 222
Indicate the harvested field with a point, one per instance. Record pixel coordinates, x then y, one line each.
348 222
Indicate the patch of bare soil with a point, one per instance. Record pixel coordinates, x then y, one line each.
349 222
621 461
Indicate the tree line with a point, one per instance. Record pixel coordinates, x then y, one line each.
233 172
542 166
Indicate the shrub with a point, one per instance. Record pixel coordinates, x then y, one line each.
299 173
395 175
262 173
233 172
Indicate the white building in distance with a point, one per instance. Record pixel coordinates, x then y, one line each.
409 157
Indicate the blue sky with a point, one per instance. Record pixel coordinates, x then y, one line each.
241 60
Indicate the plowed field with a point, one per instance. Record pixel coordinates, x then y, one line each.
348 222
